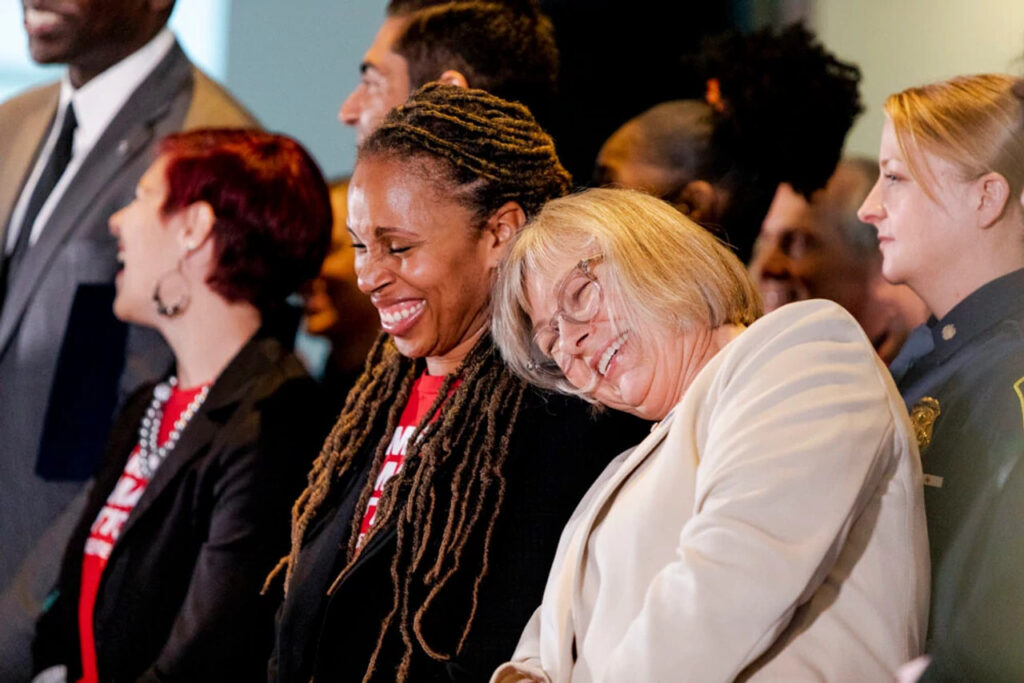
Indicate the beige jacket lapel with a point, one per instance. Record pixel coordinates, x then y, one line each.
24 122
562 593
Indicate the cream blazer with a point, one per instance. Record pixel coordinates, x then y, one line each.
771 528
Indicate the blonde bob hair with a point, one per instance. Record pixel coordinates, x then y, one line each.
661 268
974 122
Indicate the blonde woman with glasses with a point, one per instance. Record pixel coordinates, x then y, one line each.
771 526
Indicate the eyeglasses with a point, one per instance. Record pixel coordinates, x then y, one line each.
579 299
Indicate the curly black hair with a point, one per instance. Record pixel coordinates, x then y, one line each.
784 98
785 107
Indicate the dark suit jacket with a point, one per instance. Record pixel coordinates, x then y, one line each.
58 303
557 450
179 597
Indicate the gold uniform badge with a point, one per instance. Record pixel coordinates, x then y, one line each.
923 418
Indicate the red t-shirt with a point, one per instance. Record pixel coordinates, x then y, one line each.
424 393
107 527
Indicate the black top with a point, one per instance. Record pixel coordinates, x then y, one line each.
972 364
179 596
556 451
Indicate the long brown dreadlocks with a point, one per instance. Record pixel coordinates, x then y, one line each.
450 491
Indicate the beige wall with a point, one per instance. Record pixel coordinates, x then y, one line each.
901 43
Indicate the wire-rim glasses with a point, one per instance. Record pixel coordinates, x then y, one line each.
579 299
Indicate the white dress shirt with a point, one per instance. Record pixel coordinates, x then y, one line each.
96 104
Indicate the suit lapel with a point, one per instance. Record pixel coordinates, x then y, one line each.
561 617
129 133
380 541
200 435
380 538
26 143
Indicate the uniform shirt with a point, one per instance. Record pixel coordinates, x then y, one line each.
962 379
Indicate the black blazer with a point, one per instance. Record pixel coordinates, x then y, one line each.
179 597
557 450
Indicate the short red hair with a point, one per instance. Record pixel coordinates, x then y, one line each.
272 208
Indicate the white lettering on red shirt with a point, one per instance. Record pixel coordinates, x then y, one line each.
424 393
107 528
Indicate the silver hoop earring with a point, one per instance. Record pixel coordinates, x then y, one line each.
168 281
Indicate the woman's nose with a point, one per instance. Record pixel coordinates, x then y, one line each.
872 211
371 274
571 337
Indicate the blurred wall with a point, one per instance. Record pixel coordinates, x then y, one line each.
901 43
293 63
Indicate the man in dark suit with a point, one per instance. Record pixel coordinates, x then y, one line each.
71 154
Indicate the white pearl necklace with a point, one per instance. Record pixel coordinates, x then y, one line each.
150 453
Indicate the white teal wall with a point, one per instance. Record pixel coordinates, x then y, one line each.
293 62
902 43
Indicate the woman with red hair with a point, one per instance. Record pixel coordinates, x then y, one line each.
190 508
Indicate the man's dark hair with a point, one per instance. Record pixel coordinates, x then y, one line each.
506 48
403 8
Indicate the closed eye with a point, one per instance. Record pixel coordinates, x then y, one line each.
545 341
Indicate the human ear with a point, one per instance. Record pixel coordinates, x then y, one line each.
453 77
196 225
501 228
991 194
697 201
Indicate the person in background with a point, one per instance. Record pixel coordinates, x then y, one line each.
777 109
819 249
505 48
435 506
663 152
71 154
948 208
615 63
771 525
189 510
337 311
